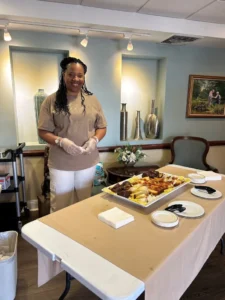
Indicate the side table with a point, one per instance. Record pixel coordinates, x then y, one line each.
118 174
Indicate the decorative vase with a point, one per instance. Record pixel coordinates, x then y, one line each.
137 135
152 123
39 98
157 128
123 123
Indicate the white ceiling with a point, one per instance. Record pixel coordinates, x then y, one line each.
124 5
211 12
174 8
75 2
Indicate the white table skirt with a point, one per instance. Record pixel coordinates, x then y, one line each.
57 251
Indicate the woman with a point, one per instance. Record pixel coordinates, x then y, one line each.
218 98
72 122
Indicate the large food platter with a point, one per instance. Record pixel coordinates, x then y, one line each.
146 189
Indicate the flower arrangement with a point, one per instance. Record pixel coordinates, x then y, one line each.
129 155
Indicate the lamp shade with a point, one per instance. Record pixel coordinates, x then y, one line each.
7 36
84 42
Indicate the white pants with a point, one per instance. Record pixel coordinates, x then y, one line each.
68 187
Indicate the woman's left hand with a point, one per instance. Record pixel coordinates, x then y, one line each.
90 145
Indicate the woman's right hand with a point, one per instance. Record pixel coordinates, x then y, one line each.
70 147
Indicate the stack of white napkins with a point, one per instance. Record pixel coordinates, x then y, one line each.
115 217
210 175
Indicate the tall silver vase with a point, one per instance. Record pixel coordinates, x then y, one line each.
137 135
39 98
152 123
123 123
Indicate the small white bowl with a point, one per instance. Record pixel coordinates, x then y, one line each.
197 178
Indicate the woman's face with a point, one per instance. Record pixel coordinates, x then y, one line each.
74 77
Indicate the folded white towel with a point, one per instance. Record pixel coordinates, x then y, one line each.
115 217
210 175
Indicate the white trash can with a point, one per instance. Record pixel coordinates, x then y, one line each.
8 265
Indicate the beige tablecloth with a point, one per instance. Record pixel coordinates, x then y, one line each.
167 260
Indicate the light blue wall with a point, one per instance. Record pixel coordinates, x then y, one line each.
104 60
161 92
180 65
7 117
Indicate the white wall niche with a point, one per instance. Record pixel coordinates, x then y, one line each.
143 79
32 69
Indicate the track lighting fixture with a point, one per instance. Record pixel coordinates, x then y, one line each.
7 36
130 46
84 42
83 31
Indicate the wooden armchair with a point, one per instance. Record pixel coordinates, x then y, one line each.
190 151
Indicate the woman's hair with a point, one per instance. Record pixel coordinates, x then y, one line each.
61 94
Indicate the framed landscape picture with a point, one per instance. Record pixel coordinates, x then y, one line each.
206 97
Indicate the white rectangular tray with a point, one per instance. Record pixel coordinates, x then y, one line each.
157 198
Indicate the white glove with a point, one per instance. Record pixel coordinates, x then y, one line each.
90 145
70 147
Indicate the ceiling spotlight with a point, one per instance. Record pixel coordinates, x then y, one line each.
7 36
84 42
128 35
130 45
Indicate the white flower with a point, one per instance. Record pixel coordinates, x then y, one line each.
126 154
132 157
128 158
124 158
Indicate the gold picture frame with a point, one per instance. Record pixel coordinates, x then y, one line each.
206 97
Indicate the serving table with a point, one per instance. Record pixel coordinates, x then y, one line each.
122 263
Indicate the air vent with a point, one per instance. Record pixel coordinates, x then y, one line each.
180 40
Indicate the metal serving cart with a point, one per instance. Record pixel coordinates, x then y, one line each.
17 180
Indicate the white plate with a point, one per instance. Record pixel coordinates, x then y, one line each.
205 195
193 210
164 218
